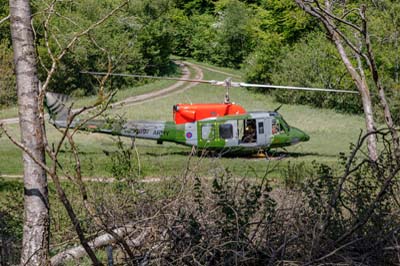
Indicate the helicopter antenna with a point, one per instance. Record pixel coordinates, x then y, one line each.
228 84
277 109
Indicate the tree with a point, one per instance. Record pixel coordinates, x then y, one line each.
34 143
314 62
35 249
348 30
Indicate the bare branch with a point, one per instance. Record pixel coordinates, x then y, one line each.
381 91
332 16
339 39
98 242
91 27
332 27
4 19
330 254
383 190
56 59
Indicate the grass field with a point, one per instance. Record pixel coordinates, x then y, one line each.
330 132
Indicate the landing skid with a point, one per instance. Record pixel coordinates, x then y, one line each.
274 155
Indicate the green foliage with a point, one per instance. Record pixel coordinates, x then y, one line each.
216 225
239 205
195 6
5 26
204 38
384 23
225 39
357 207
182 30
272 40
124 163
11 221
8 91
137 39
286 19
262 63
11 204
234 36
313 62
293 174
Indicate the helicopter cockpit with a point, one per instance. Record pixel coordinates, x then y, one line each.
278 127
257 129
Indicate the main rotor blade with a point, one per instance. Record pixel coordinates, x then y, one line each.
212 82
222 83
291 88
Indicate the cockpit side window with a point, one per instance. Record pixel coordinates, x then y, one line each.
207 131
276 127
260 128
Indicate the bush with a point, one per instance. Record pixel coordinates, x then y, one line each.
348 216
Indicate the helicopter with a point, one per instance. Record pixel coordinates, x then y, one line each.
213 126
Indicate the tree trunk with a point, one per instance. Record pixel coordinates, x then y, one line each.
362 86
35 246
325 16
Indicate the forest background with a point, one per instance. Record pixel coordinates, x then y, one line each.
272 41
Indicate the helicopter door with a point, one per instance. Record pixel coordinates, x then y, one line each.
247 132
262 129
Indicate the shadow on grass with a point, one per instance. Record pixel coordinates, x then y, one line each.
250 154
287 154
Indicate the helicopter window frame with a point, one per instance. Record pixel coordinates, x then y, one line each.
285 125
260 127
276 128
226 131
208 131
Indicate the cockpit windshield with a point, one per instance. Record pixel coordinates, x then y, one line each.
279 125
284 123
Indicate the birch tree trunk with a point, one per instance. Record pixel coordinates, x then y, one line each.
36 206
327 18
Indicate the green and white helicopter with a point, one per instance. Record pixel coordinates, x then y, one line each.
221 127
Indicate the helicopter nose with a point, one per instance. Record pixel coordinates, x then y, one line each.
305 137
301 135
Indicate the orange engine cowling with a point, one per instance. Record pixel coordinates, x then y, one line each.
186 113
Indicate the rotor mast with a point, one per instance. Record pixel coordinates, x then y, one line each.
228 84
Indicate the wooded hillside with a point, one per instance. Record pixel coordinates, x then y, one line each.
273 41
301 205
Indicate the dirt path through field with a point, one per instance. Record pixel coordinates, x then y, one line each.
177 87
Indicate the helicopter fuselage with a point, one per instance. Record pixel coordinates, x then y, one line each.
250 131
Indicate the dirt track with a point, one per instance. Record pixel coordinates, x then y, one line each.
177 87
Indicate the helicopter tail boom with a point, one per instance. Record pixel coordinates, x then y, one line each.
57 106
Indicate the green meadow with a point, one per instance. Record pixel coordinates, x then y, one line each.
331 134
